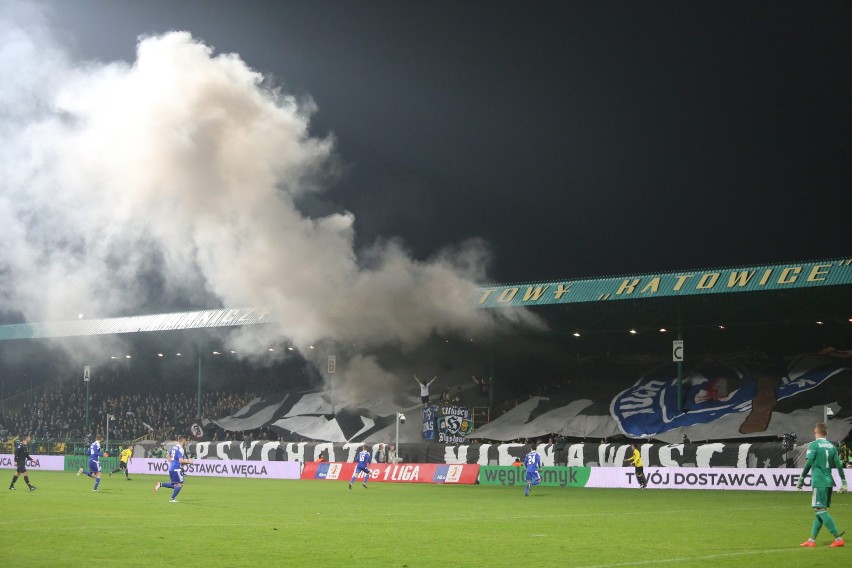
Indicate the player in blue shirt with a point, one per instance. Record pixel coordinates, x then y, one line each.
362 460
95 454
532 461
176 461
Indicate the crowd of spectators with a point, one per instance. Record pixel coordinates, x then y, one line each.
60 412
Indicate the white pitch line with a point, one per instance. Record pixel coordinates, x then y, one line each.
688 558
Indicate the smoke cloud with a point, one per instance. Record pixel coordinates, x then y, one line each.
174 183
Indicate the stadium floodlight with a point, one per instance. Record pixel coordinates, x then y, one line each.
400 417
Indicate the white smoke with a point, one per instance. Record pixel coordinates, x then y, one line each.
176 180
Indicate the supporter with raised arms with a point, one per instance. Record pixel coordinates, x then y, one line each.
424 389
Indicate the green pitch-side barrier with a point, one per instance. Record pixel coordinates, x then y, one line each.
550 476
73 463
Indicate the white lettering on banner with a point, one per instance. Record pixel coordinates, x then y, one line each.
327 447
653 455
245 449
353 450
222 450
705 452
575 455
401 473
641 399
666 455
266 448
742 455
547 454
454 455
643 453
296 451
503 456
483 454
611 456
201 449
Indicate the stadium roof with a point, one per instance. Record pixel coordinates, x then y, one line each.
820 287
134 324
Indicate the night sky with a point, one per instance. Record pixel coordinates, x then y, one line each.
576 138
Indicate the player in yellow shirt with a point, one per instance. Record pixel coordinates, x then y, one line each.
636 460
124 458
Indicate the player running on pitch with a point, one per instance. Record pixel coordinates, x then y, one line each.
821 457
362 460
532 461
95 454
22 456
176 469
124 459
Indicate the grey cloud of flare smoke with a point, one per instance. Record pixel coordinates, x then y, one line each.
187 165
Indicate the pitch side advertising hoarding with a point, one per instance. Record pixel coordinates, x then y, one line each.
749 479
394 473
550 476
44 463
220 468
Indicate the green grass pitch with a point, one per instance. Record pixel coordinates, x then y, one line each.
248 522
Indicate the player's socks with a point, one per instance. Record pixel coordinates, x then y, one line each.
168 485
14 480
829 523
816 526
97 482
175 492
27 481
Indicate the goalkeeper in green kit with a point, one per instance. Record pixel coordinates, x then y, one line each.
821 457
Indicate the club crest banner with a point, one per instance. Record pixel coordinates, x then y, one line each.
712 389
454 424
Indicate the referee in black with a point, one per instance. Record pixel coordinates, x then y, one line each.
22 456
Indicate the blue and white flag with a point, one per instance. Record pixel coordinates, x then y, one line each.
714 388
